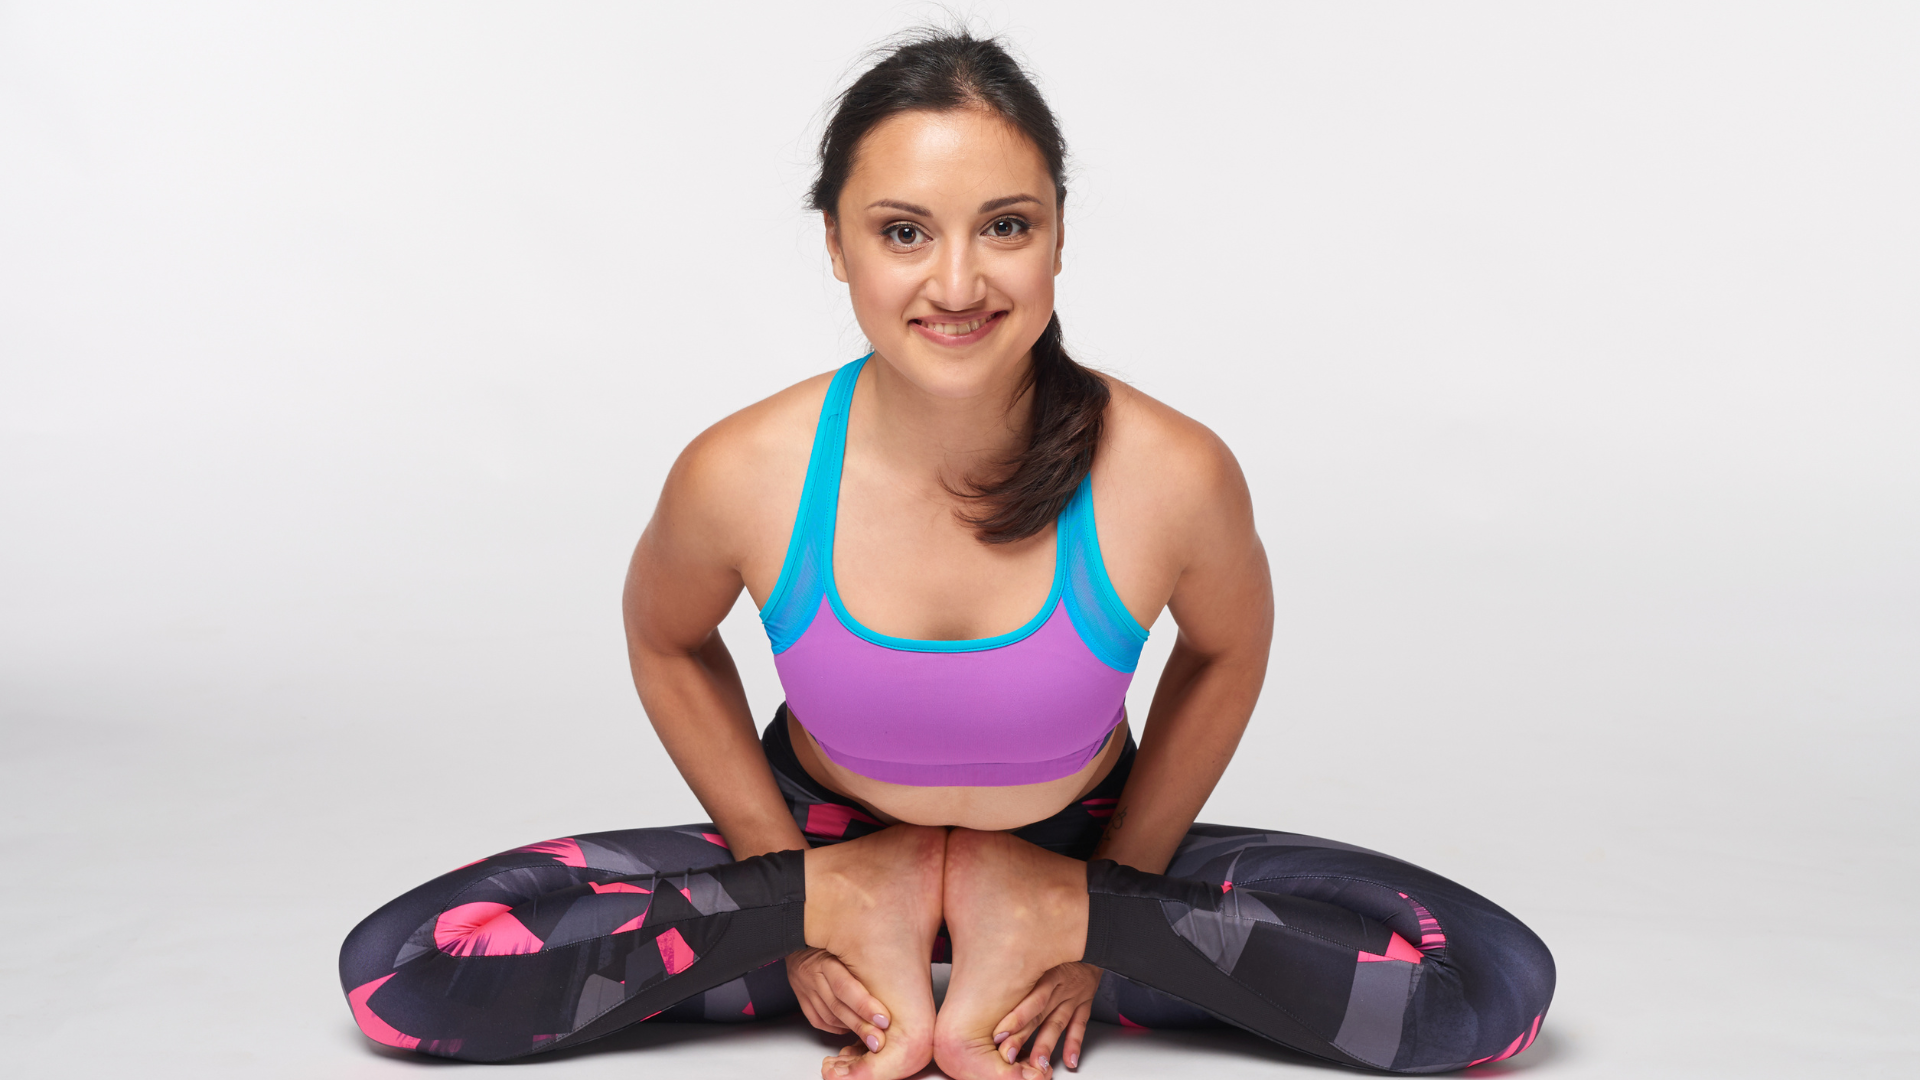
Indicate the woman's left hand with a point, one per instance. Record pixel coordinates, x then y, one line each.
1060 1004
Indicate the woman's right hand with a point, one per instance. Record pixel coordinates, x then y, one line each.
834 1000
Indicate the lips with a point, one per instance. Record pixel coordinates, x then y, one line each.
955 329
951 331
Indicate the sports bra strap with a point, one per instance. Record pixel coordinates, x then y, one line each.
803 575
1108 628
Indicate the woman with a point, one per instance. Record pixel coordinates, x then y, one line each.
956 543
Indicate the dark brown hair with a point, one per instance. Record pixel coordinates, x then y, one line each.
936 71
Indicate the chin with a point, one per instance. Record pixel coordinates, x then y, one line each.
954 373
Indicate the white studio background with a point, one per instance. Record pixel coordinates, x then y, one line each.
1571 353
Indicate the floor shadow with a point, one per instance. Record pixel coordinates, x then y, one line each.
646 1035
1224 1042
654 1034
1548 1049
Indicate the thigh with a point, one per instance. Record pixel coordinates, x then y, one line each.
1480 970
556 913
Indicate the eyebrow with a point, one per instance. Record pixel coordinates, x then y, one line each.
987 207
991 205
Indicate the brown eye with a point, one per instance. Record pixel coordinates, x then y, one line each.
904 235
1007 228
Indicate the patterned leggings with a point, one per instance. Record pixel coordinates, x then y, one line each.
1331 949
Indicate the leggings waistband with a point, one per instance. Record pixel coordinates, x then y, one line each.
828 817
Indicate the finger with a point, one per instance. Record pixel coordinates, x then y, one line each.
818 1004
1010 1048
861 1029
863 1006
809 990
806 1009
1023 1016
1050 1032
1077 1033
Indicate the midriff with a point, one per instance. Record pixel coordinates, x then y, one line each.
989 809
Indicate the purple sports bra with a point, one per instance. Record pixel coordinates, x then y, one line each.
1032 705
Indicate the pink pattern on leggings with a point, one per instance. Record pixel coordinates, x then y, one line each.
564 851
1397 949
372 1026
1431 936
1520 1042
832 819
483 928
675 953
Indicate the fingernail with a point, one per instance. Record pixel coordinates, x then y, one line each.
880 1021
998 1036
873 1043
1011 1049
1073 1061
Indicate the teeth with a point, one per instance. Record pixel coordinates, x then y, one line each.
956 329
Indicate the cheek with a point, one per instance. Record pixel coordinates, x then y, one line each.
1028 281
879 287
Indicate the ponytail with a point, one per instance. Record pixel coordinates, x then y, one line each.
1069 409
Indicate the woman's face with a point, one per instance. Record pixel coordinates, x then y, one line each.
948 236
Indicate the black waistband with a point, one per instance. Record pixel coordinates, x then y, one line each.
1074 831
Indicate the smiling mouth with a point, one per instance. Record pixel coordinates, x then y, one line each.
958 329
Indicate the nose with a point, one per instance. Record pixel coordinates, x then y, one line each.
956 280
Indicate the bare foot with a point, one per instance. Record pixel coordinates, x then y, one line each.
875 903
1014 911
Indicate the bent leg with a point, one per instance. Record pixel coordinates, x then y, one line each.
560 942
1331 949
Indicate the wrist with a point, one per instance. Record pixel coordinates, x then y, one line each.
745 840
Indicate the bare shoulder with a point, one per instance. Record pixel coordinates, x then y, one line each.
1176 525
1156 455
741 477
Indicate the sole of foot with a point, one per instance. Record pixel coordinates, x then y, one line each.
875 903
1014 911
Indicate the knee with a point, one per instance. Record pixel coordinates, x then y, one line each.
1523 966
371 947
1507 980
377 947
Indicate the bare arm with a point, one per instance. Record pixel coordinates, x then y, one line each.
683 580
1223 604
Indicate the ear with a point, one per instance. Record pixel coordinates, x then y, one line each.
1059 242
834 251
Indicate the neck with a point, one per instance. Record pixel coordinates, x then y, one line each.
942 439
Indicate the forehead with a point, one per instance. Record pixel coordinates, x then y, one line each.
961 155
